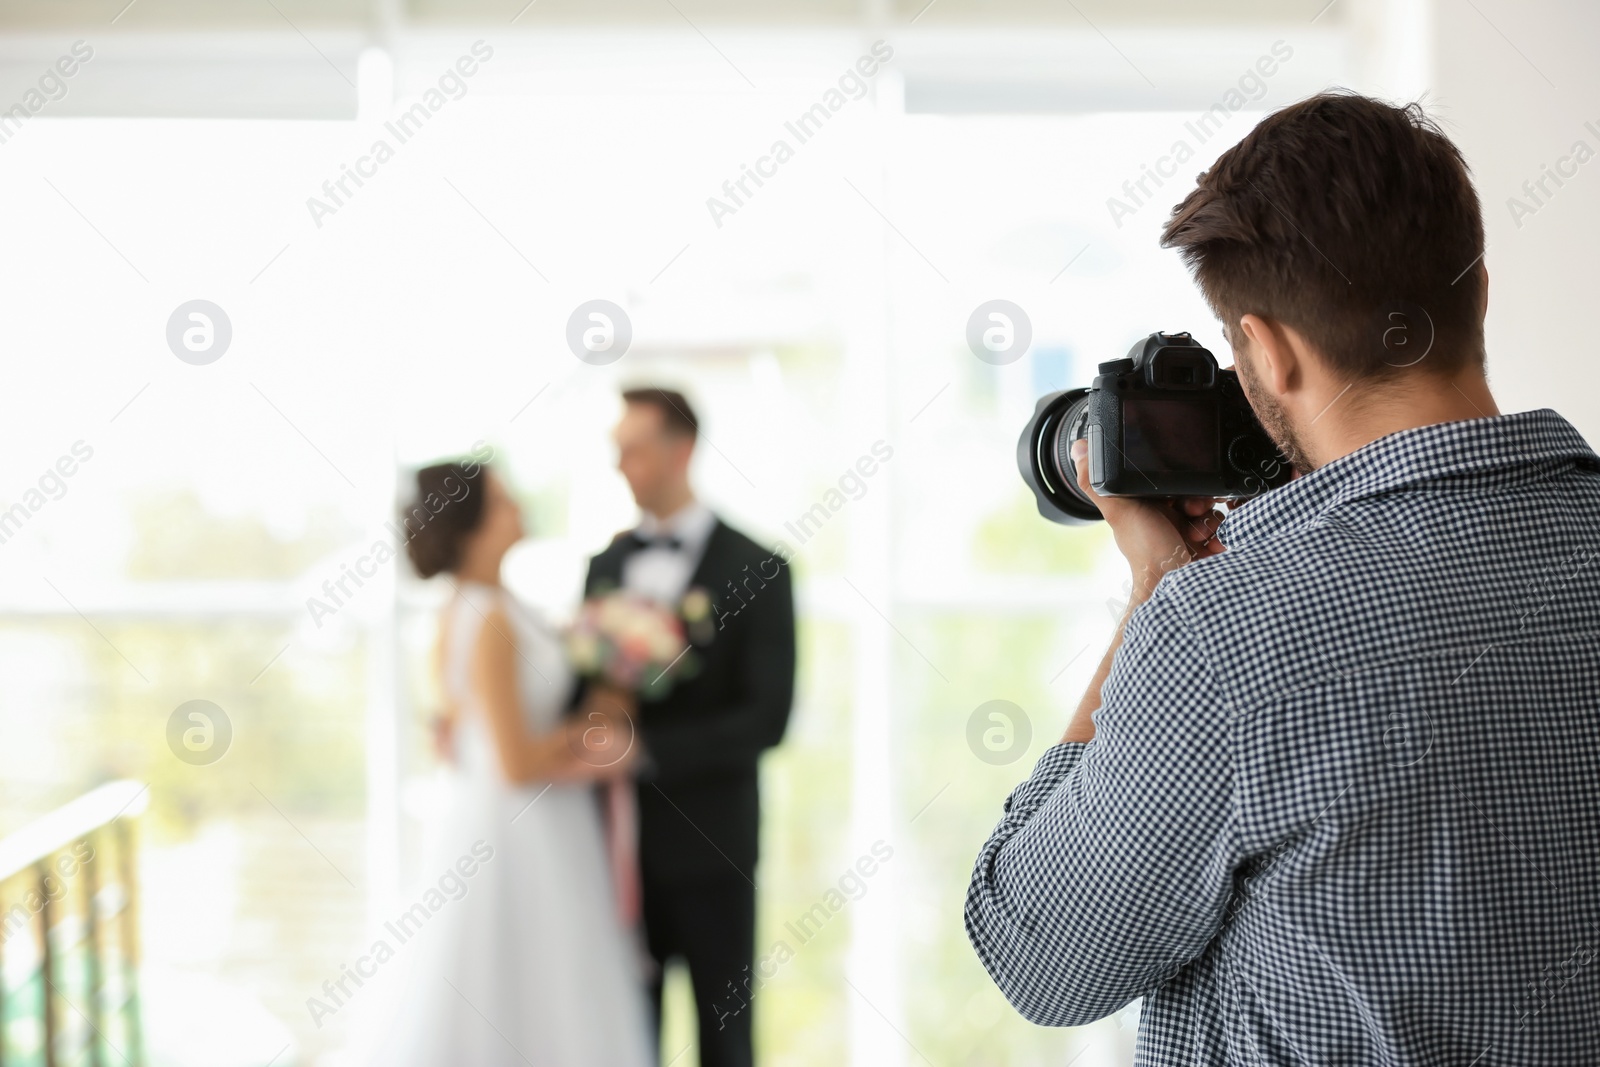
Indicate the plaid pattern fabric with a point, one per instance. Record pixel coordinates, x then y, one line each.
1343 801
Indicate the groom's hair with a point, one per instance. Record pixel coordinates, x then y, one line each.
677 416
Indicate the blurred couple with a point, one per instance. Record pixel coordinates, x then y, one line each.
613 825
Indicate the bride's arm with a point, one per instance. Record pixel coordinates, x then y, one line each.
524 756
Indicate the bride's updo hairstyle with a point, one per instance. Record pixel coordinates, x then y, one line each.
447 507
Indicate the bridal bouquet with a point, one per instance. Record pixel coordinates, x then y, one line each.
627 642
631 644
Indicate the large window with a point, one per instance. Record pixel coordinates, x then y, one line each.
822 320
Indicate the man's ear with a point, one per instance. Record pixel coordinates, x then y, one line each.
1483 290
685 452
1278 363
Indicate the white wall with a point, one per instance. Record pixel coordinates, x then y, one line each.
1516 82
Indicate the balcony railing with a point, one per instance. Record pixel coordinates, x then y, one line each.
69 935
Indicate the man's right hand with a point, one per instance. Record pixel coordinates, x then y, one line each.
1154 536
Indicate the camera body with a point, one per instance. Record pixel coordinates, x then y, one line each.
1165 421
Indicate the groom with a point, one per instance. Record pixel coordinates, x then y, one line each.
699 802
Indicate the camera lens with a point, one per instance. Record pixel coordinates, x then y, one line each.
1044 457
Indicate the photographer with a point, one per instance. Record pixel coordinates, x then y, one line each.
1334 792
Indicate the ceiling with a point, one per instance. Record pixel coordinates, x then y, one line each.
299 59
145 15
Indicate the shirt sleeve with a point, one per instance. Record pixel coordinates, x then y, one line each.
1113 864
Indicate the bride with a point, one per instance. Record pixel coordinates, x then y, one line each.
531 964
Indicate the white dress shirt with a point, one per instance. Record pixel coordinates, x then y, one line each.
660 571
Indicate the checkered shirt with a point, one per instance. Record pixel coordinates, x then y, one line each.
1343 801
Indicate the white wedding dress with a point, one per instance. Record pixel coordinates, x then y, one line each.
531 965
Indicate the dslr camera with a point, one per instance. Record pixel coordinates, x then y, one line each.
1164 422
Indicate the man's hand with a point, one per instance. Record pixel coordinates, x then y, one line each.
603 697
1155 537
442 734
603 735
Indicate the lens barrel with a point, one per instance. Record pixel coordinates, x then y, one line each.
1044 457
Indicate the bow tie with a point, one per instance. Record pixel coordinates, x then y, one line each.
666 541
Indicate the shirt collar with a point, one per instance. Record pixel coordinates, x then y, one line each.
1494 452
690 524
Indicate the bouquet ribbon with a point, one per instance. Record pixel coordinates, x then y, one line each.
622 843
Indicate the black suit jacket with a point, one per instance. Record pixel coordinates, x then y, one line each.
699 801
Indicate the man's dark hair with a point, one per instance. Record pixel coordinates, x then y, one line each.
677 417
1351 220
